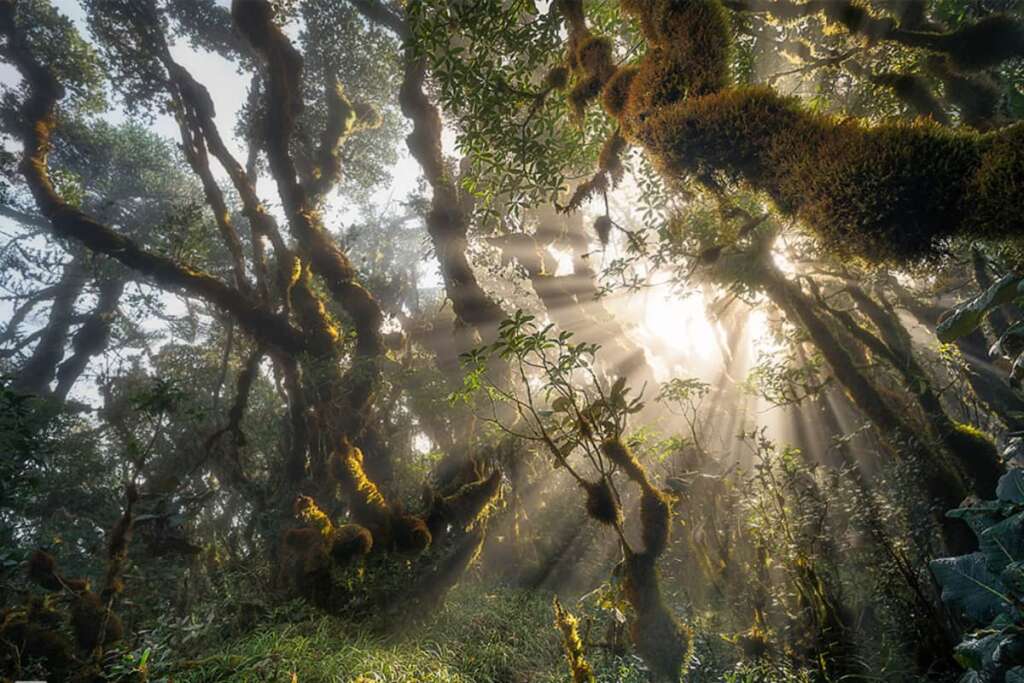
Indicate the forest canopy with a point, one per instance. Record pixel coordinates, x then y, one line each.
512 340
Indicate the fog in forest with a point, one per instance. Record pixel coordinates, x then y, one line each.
512 341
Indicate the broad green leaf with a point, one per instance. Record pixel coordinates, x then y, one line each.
969 587
1011 487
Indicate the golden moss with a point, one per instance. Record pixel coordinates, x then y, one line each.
690 44
465 506
364 498
620 454
308 511
568 627
601 504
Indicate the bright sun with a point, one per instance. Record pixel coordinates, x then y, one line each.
680 323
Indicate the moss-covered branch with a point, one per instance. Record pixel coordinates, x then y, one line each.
889 191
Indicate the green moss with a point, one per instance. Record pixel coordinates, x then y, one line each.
978 456
892 191
620 454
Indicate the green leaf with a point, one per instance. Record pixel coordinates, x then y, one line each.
1003 543
1011 487
969 587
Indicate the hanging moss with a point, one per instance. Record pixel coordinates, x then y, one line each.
594 56
601 504
568 628
610 158
976 96
915 92
616 90
557 78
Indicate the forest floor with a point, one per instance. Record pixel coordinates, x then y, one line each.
481 635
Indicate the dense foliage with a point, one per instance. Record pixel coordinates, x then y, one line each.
512 340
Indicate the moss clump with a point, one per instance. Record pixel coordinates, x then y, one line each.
557 78
411 534
306 509
690 45
620 454
978 455
348 543
610 159
601 504
583 93
27 635
616 91
42 571
594 56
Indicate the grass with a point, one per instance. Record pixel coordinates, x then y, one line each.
481 636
